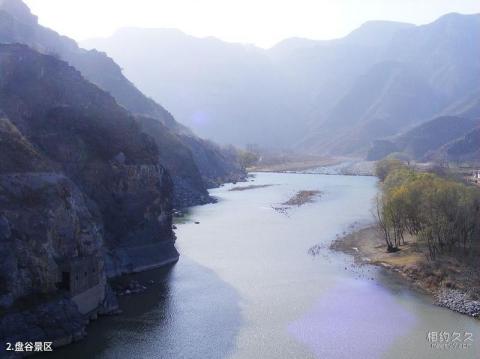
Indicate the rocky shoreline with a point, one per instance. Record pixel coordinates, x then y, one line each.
447 281
58 319
458 301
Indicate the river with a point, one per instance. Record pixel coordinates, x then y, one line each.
246 287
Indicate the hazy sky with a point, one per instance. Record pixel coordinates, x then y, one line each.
262 22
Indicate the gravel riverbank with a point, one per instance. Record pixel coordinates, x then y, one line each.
450 283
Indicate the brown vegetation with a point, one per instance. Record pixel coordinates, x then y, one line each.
440 213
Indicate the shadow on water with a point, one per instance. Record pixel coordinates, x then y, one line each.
188 312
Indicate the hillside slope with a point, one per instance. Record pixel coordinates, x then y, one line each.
18 25
424 140
463 149
322 97
423 72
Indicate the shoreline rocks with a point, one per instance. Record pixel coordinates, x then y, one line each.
132 287
458 301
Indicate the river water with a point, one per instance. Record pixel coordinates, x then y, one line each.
246 287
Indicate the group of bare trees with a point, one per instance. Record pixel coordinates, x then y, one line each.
442 213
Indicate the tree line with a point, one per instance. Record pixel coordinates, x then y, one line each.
442 213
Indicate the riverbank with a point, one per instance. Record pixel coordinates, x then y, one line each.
293 164
344 167
451 284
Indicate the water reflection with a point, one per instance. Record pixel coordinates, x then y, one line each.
187 313
370 322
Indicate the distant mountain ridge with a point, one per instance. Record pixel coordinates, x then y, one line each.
205 81
419 75
328 97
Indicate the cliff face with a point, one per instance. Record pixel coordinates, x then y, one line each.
94 141
18 154
216 165
44 218
189 188
45 222
18 25
82 197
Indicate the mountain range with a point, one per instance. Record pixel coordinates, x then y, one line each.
324 97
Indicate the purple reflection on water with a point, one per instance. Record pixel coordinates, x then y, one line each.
357 319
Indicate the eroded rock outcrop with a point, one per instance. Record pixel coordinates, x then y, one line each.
95 142
83 197
44 221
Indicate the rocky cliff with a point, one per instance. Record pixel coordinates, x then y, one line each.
88 180
83 197
18 25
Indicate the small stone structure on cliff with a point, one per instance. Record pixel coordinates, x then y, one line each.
84 282
79 274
